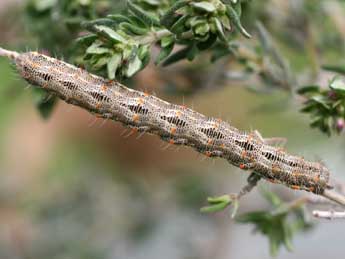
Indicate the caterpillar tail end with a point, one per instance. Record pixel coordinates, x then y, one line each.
9 54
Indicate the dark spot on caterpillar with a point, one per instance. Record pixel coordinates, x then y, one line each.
273 157
212 133
246 145
26 68
70 85
100 97
46 77
292 163
174 120
138 109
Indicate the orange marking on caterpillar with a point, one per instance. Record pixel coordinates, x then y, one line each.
275 169
98 105
104 88
295 187
140 101
208 153
173 131
171 141
209 142
244 154
242 166
136 118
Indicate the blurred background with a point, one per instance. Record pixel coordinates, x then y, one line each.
72 186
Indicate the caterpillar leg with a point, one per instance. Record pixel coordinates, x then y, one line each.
252 181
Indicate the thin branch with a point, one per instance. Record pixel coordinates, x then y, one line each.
9 54
334 196
329 214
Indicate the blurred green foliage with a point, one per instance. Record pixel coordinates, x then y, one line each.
121 43
279 224
326 106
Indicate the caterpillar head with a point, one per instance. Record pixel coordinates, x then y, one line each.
30 65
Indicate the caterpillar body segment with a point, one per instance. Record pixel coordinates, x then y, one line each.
173 123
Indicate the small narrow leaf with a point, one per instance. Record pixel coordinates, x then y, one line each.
235 19
133 67
164 53
204 6
168 18
45 102
110 34
112 65
96 48
147 18
177 56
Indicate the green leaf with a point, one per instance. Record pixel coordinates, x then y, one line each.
112 65
102 21
216 204
219 199
100 62
146 17
335 68
204 6
235 19
338 85
193 52
221 52
321 100
278 225
168 18
134 29
177 56
44 101
214 208
110 34
272 198
164 53
208 43
133 67
167 41
309 107
96 48
86 40
43 5
308 89
119 18
179 25
202 29
219 29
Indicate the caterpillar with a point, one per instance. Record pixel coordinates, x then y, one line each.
175 124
